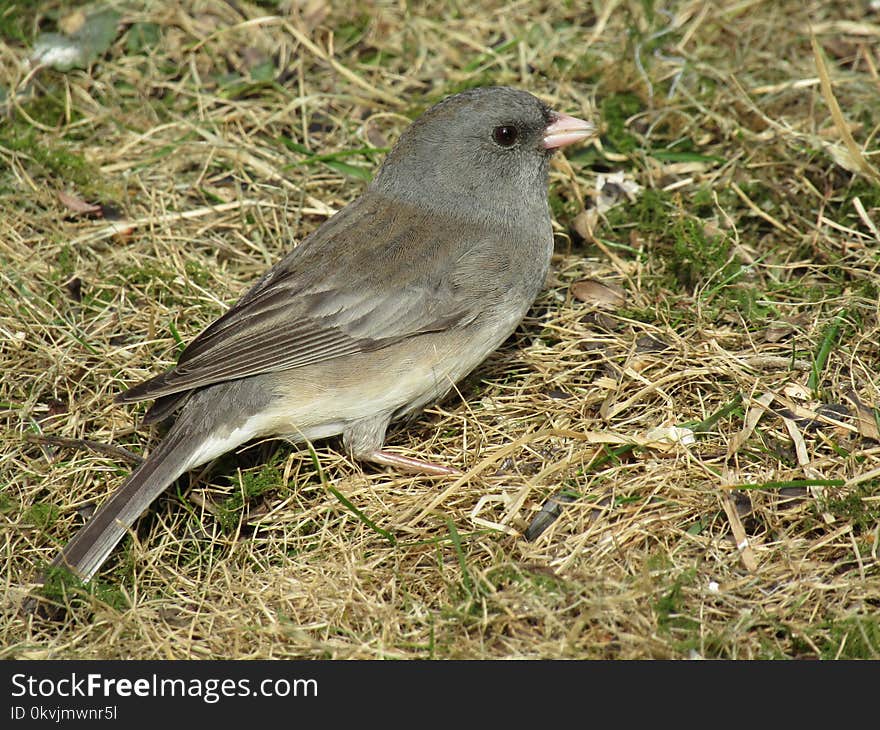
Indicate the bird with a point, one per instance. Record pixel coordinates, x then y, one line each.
371 317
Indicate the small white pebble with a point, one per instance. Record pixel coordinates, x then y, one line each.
57 53
713 587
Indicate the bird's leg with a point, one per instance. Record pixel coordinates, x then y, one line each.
407 464
364 438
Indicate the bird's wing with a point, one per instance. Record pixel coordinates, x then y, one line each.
364 280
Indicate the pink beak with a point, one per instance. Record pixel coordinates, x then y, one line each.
565 130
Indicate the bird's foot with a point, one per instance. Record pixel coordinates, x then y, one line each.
410 465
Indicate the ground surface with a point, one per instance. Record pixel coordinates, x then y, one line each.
700 375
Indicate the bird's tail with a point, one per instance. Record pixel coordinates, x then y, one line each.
91 546
214 420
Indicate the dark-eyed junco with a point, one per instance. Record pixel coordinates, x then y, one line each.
375 314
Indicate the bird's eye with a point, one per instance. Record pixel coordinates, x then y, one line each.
505 135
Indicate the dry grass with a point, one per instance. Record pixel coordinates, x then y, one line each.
745 286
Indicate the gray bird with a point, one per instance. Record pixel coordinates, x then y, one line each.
374 315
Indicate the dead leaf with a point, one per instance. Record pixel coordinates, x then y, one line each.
595 292
647 343
374 135
600 321
680 169
866 417
797 391
663 437
558 394
777 332
615 188
585 223
746 552
781 328
77 204
74 288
